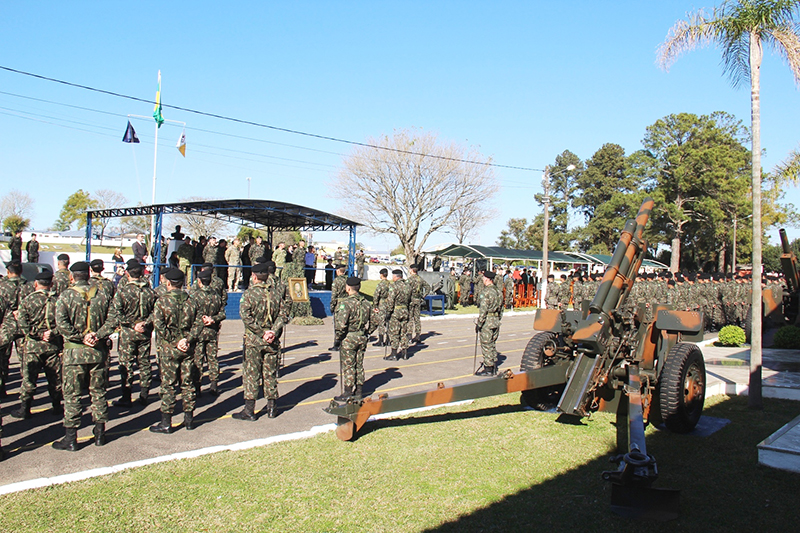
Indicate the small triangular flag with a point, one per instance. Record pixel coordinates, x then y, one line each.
182 143
130 135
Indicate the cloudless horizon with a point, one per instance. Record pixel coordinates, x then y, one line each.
521 81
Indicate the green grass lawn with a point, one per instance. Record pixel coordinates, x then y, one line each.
487 466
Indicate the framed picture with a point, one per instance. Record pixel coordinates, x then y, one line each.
298 289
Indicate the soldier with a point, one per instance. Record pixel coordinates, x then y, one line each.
419 289
257 250
436 265
43 344
338 256
177 325
162 288
490 306
262 309
16 247
464 284
233 256
360 260
216 283
380 302
211 252
13 289
61 278
508 287
132 311
397 305
279 258
212 313
81 313
451 295
103 284
337 291
564 292
33 249
299 258
185 256
552 297
352 323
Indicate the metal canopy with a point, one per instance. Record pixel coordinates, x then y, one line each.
472 251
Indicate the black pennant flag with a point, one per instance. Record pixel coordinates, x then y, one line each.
130 135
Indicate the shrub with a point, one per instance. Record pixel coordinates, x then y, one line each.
787 337
731 336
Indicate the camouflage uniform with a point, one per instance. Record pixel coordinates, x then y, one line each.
262 309
233 256
37 315
12 292
104 284
337 291
257 251
508 285
419 289
61 280
380 301
185 258
397 303
463 287
82 309
175 318
553 296
352 323
490 305
208 302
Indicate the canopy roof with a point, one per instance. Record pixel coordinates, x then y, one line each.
253 213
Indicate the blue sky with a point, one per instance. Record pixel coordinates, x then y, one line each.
523 81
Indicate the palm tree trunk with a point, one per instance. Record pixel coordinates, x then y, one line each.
675 258
754 394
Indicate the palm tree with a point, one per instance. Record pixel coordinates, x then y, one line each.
741 28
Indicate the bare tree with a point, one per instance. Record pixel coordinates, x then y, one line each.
16 204
107 199
468 217
411 185
196 225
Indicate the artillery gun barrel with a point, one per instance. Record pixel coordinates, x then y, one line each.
785 241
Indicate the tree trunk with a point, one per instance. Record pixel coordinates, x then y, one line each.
754 394
675 260
721 258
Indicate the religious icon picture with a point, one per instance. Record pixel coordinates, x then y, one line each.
299 290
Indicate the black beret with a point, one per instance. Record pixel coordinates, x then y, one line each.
63 257
340 266
44 275
205 275
261 260
269 263
174 275
260 268
384 272
208 265
488 274
80 266
164 271
134 264
353 281
96 263
397 272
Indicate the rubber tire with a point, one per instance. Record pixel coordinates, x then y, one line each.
532 358
748 325
678 412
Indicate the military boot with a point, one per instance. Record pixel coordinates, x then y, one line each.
99 433
392 356
55 401
357 393
248 413
271 412
24 410
213 388
379 343
125 399
486 371
143 396
69 442
345 395
165 426
188 420
405 353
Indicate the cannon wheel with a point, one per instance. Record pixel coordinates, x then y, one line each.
682 388
532 358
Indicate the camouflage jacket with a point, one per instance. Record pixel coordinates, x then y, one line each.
337 290
233 255
256 252
419 287
490 306
37 314
13 291
262 309
133 303
209 302
79 310
160 291
186 253
352 317
508 285
217 285
104 284
211 254
287 295
61 280
175 317
399 295
299 257
381 295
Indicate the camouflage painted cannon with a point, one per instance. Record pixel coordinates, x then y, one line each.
604 357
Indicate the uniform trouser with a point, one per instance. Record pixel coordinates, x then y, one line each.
9 337
488 338
415 324
185 267
134 347
352 353
463 299
398 328
207 349
177 371
234 274
32 365
74 376
260 364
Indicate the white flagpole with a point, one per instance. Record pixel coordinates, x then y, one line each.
155 162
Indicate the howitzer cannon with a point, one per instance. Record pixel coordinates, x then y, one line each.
605 356
791 297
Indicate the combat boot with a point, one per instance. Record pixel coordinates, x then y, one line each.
380 341
69 442
271 412
486 371
99 433
405 353
392 356
24 410
188 420
125 399
165 426
415 339
345 395
143 396
214 388
357 393
248 413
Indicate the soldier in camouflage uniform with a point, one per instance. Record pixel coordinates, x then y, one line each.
397 305
464 283
43 345
216 283
185 256
212 313
257 250
13 289
419 289
177 324
380 302
490 305
352 324
132 311
61 279
553 295
81 313
262 309
337 292
104 284
508 287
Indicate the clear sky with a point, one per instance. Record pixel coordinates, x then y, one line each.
523 81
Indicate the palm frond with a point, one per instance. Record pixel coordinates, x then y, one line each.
788 171
786 42
697 30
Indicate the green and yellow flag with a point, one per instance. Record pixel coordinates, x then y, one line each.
157 110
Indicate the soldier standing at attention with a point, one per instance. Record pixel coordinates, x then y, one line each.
257 250
81 313
337 292
211 252
132 311
352 323
360 259
61 278
43 344
338 256
380 302
279 258
464 283
13 289
399 298
508 286
419 289
212 313
16 247
177 325
262 309
162 288
33 249
490 306
552 297
185 256
103 284
233 256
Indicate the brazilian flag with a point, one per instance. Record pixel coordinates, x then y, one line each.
157 110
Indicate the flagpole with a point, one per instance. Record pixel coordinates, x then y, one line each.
153 217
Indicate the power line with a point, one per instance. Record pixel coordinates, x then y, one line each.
261 125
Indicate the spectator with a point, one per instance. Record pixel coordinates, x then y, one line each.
139 249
